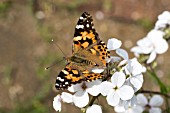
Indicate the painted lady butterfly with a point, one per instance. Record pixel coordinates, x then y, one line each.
89 52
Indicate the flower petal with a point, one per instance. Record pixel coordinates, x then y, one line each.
151 57
137 49
133 101
81 99
105 87
118 79
113 44
119 109
141 100
57 103
145 45
91 84
137 81
155 110
144 42
136 67
67 97
156 100
123 53
113 98
122 64
154 34
161 46
125 92
94 90
75 88
163 19
114 59
138 109
94 109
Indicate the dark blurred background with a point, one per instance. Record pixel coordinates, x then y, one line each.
27 26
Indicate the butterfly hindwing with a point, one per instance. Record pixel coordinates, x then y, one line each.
67 77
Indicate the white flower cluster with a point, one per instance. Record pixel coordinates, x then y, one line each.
154 43
142 103
124 79
119 90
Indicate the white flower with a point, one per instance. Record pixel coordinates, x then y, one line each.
143 46
155 102
163 20
81 97
116 90
113 44
129 107
57 103
64 97
152 44
133 109
67 97
94 109
123 53
134 71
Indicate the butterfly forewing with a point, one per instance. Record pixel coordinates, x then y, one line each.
85 34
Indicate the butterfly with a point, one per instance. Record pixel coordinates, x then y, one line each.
88 53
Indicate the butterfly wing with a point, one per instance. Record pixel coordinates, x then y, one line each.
88 46
85 35
73 74
68 76
86 42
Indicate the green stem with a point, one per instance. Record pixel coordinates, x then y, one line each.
162 86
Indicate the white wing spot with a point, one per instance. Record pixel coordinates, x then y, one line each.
77 38
81 18
60 79
79 26
66 83
87 25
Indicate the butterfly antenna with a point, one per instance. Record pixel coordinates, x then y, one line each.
57 61
53 64
58 47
